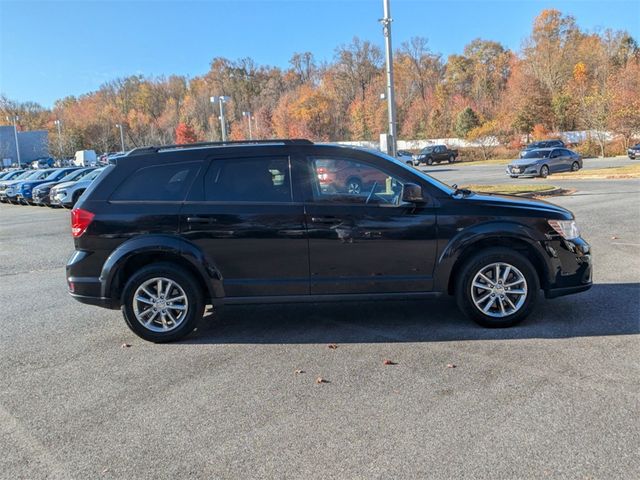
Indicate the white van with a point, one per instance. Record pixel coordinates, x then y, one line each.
85 158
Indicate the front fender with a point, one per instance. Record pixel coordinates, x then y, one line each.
162 244
498 231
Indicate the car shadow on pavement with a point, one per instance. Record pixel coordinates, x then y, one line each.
606 309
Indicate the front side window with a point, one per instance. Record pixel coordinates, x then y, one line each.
263 179
341 180
159 183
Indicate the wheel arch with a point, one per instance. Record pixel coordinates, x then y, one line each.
461 249
142 251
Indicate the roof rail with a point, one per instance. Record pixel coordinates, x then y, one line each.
281 141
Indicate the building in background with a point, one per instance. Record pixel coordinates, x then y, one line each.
33 145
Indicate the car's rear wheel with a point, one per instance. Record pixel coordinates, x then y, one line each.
162 303
575 166
451 158
497 287
544 171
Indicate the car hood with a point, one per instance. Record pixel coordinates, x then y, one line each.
12 183
525 161
511 201
45 185
65 184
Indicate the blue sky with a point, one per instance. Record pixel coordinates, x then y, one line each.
51 49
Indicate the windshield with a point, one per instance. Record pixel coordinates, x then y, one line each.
93 174
537 154
53 175
427 150
75 175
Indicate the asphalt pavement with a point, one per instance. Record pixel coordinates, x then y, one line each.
555 397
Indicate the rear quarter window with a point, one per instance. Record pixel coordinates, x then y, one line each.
158 183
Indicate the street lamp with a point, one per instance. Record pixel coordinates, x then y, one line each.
223 124
15 119
391 103
248 115
58 124
120 126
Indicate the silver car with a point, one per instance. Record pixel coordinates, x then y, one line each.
67 194
543 162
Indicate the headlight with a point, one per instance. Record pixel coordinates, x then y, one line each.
567 229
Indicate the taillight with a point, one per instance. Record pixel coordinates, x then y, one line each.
80 220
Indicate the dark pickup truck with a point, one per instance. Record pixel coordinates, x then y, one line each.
436 154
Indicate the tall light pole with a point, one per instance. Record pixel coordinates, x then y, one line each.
391 100
58 124
15 119
119 125
222 99
248 115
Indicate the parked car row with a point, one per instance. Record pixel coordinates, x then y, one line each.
55 187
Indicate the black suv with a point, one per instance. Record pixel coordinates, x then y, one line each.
168 230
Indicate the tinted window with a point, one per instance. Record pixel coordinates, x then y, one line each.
248 180
338 180
536 154
168 183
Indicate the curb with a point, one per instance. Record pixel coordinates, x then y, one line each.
554 192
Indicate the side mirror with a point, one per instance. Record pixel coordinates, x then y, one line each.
412 193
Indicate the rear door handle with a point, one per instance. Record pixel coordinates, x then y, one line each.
200 220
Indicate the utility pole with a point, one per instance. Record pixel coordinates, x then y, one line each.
58 124
120 126
15 119
391 100
223 123
248 115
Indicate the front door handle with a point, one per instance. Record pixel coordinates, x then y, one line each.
325 220
200 220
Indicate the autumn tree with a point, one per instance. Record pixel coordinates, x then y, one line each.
466 121
185 134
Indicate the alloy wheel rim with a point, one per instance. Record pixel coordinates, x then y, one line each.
353 188
160 304
499 290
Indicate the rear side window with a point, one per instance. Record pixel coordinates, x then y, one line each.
159 183
248 180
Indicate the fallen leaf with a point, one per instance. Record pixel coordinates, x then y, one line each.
125 345
614 238
451 365
388 362
299 371
105 470
321 380
332 346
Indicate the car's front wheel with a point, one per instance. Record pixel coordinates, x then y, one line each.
575 166
451 158
162 303
497 287
429 161
544 171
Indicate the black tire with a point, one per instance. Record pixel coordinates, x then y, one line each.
353 186
429 161
189 285
575 166
479 261
76 197
544 171
452 159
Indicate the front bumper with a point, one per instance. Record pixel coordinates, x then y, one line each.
569 267
529 171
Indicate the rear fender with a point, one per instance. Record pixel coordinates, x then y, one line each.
162 244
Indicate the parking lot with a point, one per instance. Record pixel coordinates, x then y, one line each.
555 397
